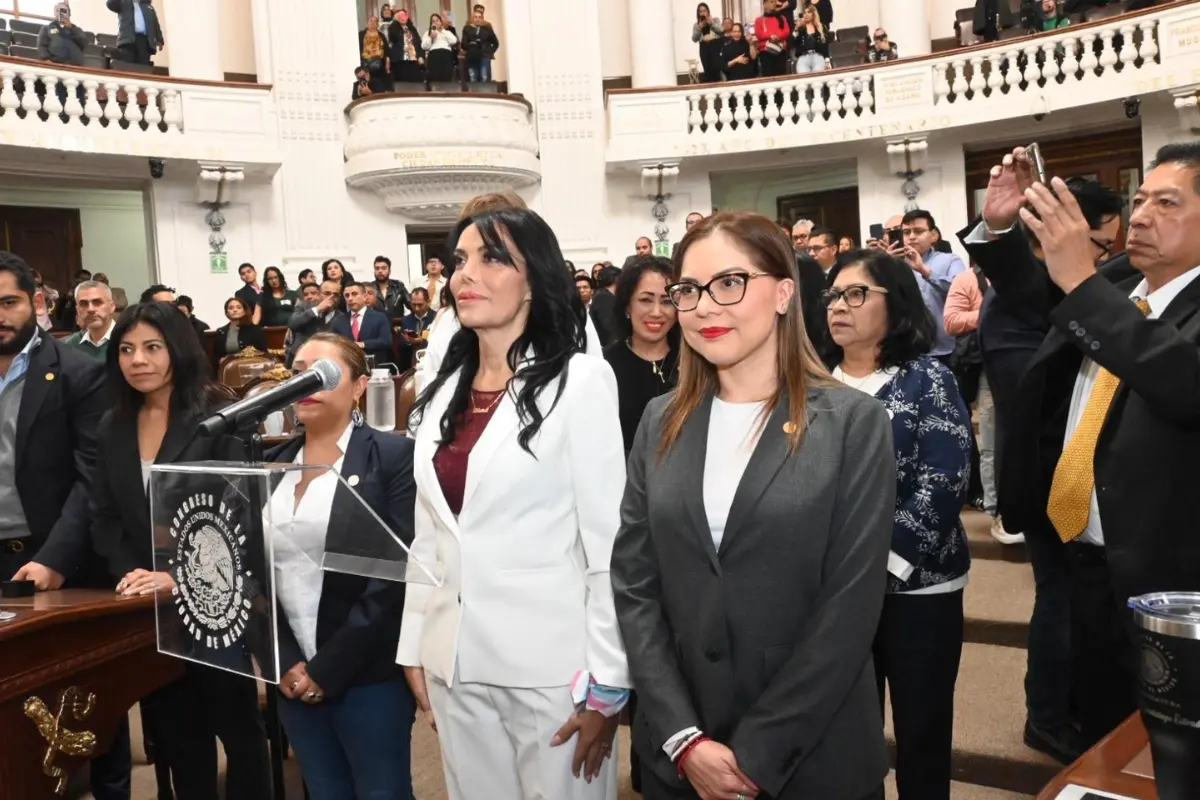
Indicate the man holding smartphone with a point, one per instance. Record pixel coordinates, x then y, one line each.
60 41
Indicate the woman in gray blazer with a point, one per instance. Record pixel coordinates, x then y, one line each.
750 568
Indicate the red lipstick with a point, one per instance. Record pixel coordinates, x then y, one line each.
714 333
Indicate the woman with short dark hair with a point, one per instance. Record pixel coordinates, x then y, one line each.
882 331
162 389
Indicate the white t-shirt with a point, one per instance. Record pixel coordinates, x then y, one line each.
733 430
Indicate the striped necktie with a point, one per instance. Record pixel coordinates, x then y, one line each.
1075 478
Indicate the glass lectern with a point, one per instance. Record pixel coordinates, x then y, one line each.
218 532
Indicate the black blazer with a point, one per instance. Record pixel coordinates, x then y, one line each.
1145 461
248 336
603 309
121 529
765 643
62 402
358 622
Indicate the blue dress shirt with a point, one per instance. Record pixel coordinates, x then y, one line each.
20 364
139 19
942 269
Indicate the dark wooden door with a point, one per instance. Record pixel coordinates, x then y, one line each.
49 239
836 209
1114 158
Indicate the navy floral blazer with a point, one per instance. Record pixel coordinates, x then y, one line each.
931 430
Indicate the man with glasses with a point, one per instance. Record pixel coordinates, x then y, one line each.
800 233
935 272
882 49
1011 332
823 246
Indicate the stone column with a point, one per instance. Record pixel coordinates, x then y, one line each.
907 24
193 33
652 44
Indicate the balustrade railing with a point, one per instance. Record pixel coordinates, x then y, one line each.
56 95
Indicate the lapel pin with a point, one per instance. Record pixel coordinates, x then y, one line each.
352 480
49 376
789 427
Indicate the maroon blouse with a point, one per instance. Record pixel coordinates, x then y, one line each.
450 460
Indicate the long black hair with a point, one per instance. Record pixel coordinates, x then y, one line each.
626 287
283 287
347 278
193 391
553 333
911 329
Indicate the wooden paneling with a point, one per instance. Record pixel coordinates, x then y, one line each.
836 209
49 239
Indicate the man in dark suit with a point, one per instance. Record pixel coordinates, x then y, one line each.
315 313
139 36
603 308
642 248
368 327
1101 452
51 401
1011 332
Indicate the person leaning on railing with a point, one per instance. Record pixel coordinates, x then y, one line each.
61 41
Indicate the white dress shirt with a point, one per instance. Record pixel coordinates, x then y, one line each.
87 336
297 533
1090 370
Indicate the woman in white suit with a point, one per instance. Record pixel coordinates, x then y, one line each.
520 469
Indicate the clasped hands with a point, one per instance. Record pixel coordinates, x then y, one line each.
712 770
297 684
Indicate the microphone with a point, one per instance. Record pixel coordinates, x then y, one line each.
321 376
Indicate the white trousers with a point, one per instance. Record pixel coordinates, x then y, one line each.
495 744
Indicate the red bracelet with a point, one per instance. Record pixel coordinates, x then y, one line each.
687 751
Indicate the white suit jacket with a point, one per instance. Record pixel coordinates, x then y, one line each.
446 325
526 600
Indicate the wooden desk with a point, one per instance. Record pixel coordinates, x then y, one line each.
68 646
1120 764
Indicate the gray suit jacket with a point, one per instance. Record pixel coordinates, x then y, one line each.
304 324
765 644
125 34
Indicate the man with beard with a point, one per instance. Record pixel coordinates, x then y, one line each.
51 400
94 310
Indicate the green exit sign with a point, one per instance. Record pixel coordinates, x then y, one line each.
218 263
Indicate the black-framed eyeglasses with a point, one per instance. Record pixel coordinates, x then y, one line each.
854 295
725 290
881 38
1106 248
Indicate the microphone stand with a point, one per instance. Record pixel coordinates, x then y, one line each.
248 432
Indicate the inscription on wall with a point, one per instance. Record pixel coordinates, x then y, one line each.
903 89
1179 37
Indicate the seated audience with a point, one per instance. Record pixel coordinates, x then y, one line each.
159 379
408 57
347 710
480 44
438 43
707 31
882 330
239 333
882 48
277 301
95 309
714 592
61 41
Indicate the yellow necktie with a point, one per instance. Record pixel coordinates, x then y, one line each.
1074 477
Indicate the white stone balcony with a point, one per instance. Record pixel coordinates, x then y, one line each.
426 153
82 110
1046 74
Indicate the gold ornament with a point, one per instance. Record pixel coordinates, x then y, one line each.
72 703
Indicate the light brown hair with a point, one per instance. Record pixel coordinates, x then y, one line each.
348 351
495 201
798 367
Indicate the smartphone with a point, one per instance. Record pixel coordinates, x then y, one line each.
877 231
63 14
1037 163
895 237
